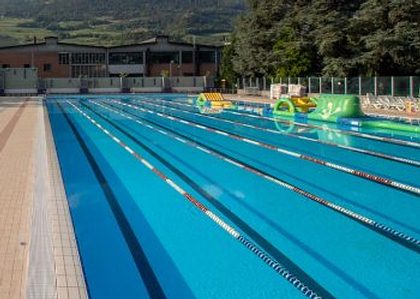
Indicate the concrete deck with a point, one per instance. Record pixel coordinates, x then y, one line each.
38 252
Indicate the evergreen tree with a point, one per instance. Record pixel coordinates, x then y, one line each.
388 36
330 22
293 59
294 49
256 35
227 71
328 37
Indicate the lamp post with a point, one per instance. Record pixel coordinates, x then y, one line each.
170 68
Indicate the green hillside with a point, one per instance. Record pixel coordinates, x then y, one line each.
105 22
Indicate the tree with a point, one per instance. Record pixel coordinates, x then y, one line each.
330 23
295 52
388 35
256 35
293 59
227 71
328 37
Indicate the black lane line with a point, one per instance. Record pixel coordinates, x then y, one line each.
50 106
327 263
368 152
397 141
264 243
379 230
143 266
356 173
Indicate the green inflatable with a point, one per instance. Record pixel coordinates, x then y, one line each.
279 108
332 107
390 125
288 107
201 100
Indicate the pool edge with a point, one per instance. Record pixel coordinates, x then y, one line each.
67 279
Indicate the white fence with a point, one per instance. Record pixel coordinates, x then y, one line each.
26 81
406 86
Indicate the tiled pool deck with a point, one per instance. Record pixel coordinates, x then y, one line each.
38 252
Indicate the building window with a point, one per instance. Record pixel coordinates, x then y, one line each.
164 57
207 57
63 58
47 67
87 58
126 58
187 57
26 65
5 66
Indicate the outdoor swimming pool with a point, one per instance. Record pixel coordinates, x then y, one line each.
169 202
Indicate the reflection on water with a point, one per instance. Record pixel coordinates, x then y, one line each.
209 110
325 134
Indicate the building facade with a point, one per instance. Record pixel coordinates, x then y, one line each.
154 57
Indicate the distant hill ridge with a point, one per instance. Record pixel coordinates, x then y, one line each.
111 22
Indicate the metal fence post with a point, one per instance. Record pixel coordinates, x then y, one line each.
264 83
411 86
320 85
332 85
288 80
392 86
375 85
309 85
360 85
345 85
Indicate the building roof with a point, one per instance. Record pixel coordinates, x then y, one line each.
151 41
165 38
45 42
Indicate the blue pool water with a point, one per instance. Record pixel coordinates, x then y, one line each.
139 237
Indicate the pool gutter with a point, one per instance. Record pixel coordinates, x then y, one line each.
54 264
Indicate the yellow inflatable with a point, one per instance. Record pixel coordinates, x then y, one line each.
302 104
213 100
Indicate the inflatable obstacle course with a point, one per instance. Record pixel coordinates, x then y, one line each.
213 100
380 124
333 107
289 106
340 109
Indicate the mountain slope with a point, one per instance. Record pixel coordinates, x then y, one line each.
110 22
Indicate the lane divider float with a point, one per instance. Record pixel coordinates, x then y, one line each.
385 230
346 147
275 265
324 128
348 170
